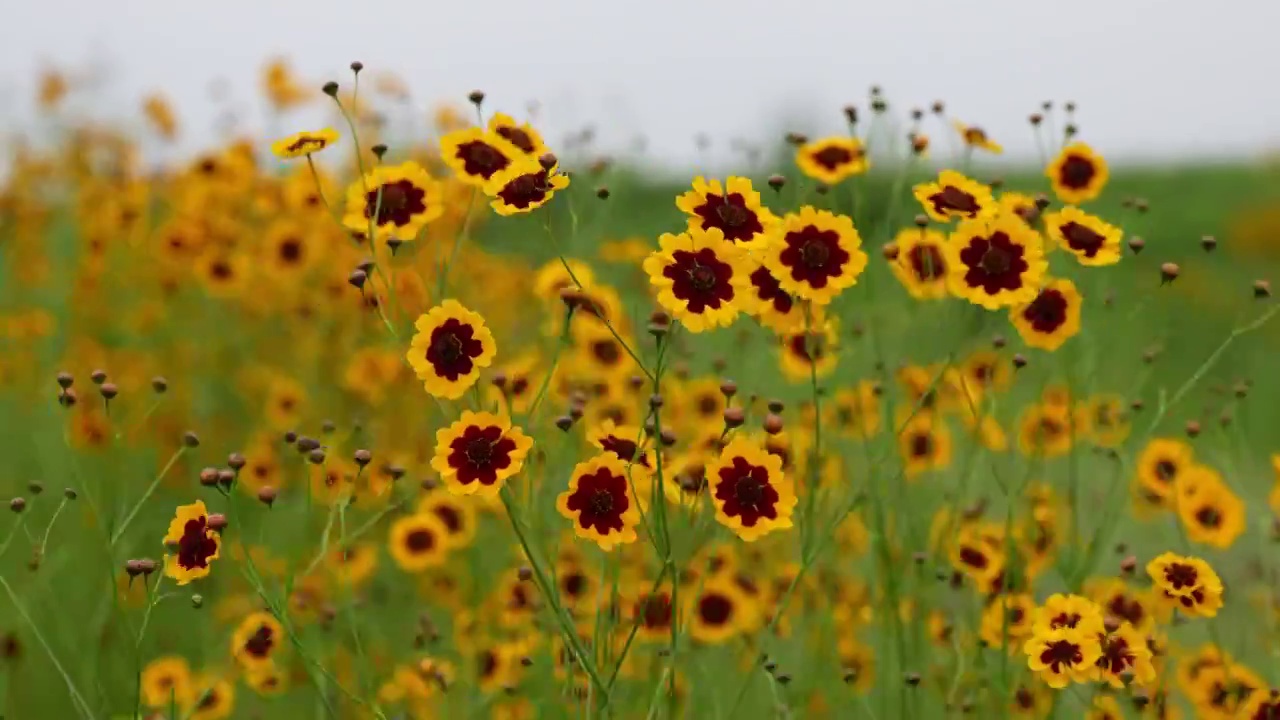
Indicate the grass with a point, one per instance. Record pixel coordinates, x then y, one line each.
77 634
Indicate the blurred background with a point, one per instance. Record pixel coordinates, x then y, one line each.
1166 79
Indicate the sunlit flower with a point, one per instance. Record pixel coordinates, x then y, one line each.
1187 583
215 698
806 353
1051 318
1006 621
451 346
921 263
734 209
398 201
479 452
815 254
995 263
194 545
521 135
166 681
953 196
600 503
1093 241
256 640
1077 174
1063 656
304 143
523 186
1125 657
476 155
700 277
418 542
976 137
832 159
752 496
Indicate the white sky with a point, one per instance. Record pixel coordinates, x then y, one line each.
1151 77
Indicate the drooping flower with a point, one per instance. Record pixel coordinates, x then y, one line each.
304 143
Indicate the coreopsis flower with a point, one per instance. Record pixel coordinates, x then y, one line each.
700 277
166 681
1161 465
1051 318
734 209
449 348
995 262
1187 583
521 135
193 543
600 503
752 496
478 453
398 201
921 263
1125 656
256 640
1063 655
476 155
1077 174
524 186
418 542
953 196
1068 611
832 159
304 143
977 138
1092 240
815 254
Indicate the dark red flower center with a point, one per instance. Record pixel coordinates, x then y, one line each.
951 200
1209 517
480 453
808 346
1064 619
625 449
700 279
1047 312
730 214
655 611
715 609
606 351
527 190
451 518
747 493
290 250
927 263
973 557
1181 576
921 445
994 263
814 255
420 541
481 159
307 144
768 289
453 348
1117 656
261 642
1076 172
1166 470
832 157
400 200
517 137
1082 239
975 135
196 545
1060 654
601 499
1127 608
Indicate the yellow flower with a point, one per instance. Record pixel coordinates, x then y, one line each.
418 542
1187 583
1068 611
955 196
256 641
600 503
397 200
523 136
479 452
976 137
700 277
1125 655
832 159
734 209
995 262
195 545
304 143
1063 656
752 496
523 186
921 263
1077 174
815 254
1093 241
476 155
1051 318
166 681
451 346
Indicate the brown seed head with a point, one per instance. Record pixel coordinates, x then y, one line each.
226 477
564 422
330 88
775 406
938 107
316 457
290 437
773 424
362 457
734 417
912 679
69 494
379 151
998 342
267 495
794 138
1169 272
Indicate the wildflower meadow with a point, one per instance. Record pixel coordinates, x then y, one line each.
349 422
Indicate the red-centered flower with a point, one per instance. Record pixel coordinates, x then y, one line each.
450 346
752 496
479 452
194 545
700 278
995 263
815 254
600 503
734 209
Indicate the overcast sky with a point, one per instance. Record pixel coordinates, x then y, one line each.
1151 77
